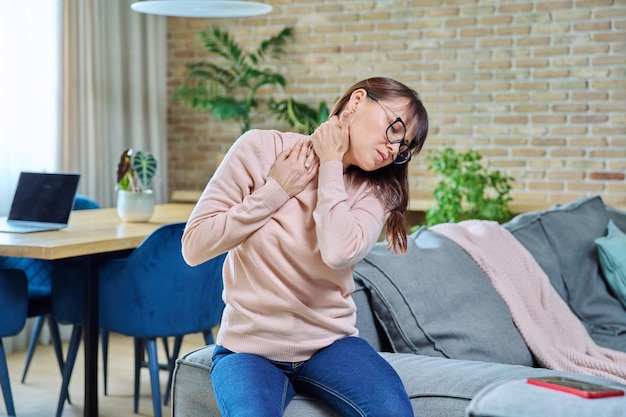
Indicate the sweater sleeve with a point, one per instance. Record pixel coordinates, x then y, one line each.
346 231
238 200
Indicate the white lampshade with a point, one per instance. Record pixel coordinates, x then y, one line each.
201 8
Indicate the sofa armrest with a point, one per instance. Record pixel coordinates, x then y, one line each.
518 398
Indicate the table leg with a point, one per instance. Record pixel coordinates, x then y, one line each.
91 327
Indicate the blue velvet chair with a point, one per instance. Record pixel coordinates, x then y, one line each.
39 272
14 302
150 294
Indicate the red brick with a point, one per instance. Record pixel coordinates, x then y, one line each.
607 176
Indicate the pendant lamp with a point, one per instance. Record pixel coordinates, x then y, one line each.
201 8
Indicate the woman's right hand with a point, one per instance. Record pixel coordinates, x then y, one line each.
294 168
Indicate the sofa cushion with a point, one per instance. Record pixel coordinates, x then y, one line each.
437 387
612 253
435 300
440 387
562 240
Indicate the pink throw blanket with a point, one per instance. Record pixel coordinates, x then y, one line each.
552 332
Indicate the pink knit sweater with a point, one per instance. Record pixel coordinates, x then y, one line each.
288 273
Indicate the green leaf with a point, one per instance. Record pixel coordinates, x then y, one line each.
467 189
231 72
299 115
145 166
125 170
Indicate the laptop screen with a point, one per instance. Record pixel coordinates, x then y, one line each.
44 197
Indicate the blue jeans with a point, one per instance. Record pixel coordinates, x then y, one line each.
348 375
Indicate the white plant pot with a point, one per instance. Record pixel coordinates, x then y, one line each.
135 207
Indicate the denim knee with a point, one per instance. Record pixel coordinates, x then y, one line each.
355 380
248 385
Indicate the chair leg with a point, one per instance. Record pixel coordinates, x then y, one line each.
5 382
55 335
32 344
171 363
208 337
34 339
166 348
139 354
178 341
72 351
153 365
104 341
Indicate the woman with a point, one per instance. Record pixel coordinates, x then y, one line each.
296 213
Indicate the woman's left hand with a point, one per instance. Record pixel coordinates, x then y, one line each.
332 138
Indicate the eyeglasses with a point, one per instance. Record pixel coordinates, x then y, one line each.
396 134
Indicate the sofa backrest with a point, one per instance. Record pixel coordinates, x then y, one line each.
369 328
435 300
562 241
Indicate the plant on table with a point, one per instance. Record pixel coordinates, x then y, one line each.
136 170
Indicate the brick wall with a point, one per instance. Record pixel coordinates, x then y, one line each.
537 87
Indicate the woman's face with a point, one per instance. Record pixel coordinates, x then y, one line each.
368 127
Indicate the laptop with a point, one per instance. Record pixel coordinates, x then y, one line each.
42 201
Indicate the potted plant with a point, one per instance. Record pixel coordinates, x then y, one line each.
300 115
468 189
226 85
135 172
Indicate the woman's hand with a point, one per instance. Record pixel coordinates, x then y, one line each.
294 168
332 138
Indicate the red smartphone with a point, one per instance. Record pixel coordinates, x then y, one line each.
574 386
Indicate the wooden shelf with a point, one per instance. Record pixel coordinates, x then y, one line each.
185 196
515 207
415 205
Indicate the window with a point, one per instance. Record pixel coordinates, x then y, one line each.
30 34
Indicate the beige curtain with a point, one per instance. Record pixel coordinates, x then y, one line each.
113 97
113 92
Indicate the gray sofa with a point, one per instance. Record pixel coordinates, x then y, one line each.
434 315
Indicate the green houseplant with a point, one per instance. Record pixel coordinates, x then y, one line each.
227 85
467 189
135 172
300 115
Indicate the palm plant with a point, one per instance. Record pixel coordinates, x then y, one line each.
299 115
227 85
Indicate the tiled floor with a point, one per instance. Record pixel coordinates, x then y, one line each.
38 396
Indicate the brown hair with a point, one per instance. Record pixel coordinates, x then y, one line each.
391 182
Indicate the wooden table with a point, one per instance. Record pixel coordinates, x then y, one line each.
90 234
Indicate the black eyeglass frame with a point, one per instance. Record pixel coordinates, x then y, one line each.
401 141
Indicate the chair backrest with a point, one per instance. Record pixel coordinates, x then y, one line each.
38 272
154 293
82 202
14 301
